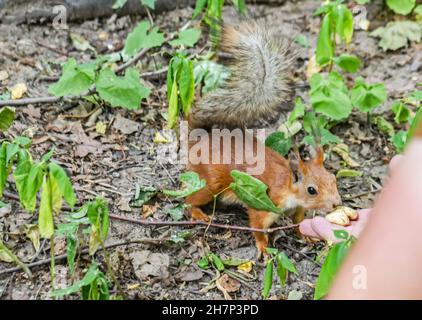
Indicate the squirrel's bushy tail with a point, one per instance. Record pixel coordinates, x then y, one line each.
258 85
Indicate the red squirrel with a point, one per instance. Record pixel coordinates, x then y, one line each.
254 92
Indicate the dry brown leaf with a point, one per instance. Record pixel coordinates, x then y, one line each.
343 151
18 91
148 210
227 285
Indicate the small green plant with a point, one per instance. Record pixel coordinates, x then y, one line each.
367 97
91 219
7 115
180 88
337 22
332 263
213 10
93 286
282 264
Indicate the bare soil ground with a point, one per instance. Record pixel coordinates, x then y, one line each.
113 164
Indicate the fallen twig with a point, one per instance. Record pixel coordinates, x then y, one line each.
200 223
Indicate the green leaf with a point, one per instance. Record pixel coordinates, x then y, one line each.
186 85
286 262
140 38
384 126
149 3
395 35
329 96
401 113
210 73
21 175
98 215
252 192
279 143
234 262
217 262
142 196
344 23
416 96
348 63
191 182
200 5
89 277
75 79
240 6
22 141
268 279
3 167
281 272
188 38
119 4
176 212
7 115
271 251
64 183
325 49
348 173
403 7
418 10
415 123
330 268
298 111
126 92
317 126
12 150
399 141
33 184
204 263
367 96
174 110
45 217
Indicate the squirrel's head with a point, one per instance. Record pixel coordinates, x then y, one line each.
316 188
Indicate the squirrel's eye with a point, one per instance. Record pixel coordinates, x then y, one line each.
312 191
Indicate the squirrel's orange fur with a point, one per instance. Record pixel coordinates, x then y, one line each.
254 92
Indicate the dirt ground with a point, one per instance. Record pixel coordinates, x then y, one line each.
114 164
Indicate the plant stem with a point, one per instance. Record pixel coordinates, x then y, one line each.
52 264
111 271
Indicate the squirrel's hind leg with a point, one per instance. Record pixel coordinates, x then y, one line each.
196 200
261 220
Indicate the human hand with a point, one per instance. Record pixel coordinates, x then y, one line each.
321 228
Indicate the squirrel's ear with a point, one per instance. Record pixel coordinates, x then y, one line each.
296 165
318 155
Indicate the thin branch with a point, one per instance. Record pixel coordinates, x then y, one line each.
200 223
21 102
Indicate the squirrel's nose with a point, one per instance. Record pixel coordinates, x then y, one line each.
337 201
